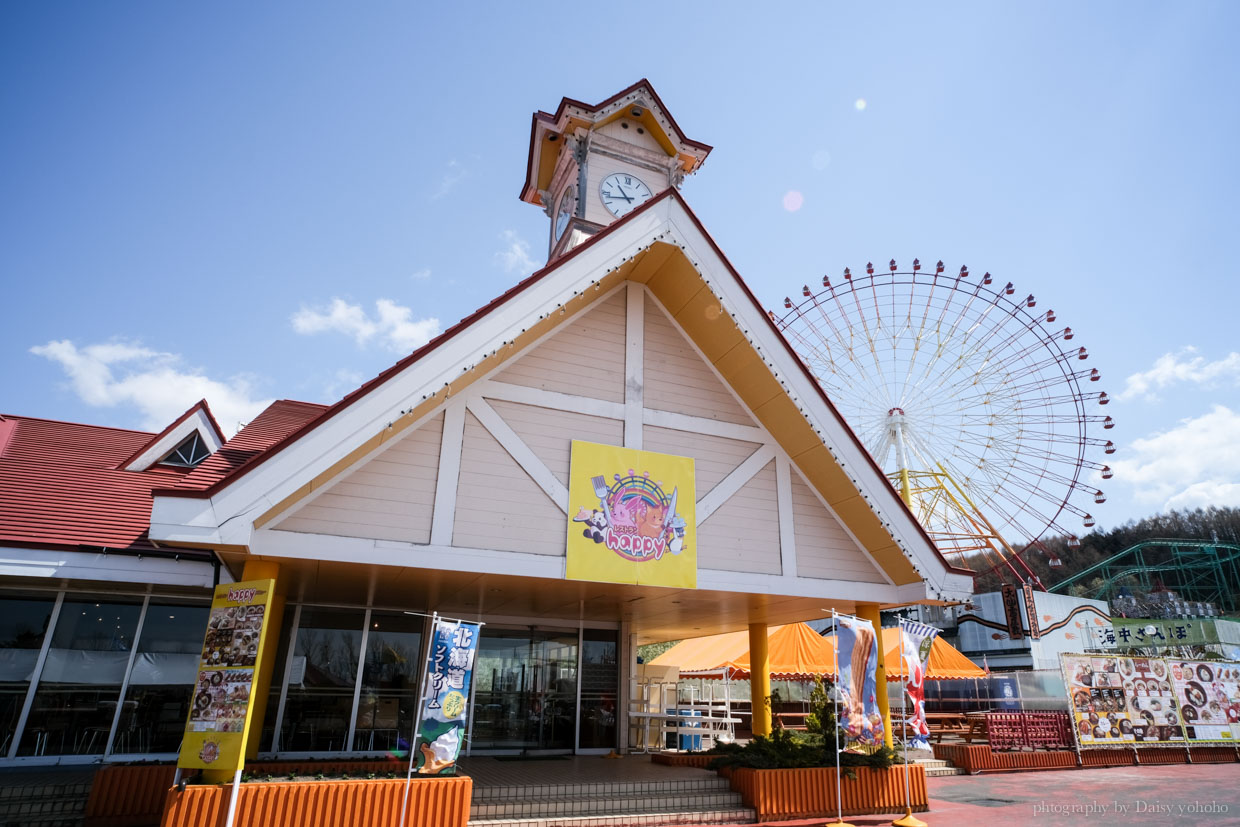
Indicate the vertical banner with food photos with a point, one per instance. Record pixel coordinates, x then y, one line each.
445 697
1096 698
857 651
1208 693
219 713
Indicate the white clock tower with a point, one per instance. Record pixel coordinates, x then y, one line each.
591 165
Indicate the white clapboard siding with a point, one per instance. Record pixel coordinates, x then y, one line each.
616 129
677 378
714 457
824 549
586 358
743 534
389 497
497 504
550 433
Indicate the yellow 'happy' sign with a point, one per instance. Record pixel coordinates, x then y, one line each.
632 517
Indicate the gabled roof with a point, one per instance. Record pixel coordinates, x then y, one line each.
277 422
660 245
197 418
62 486
548 129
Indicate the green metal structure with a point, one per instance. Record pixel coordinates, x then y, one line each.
1195 569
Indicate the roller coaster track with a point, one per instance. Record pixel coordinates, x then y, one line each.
1198 570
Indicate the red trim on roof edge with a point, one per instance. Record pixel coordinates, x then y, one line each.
817 386
430 346
201 403
548 117
7 427
521 287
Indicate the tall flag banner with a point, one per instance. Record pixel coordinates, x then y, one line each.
915 642
445 697
219 714
857 648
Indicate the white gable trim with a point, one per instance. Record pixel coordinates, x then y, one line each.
196 421
228 517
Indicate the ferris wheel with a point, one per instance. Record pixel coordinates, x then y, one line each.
976 404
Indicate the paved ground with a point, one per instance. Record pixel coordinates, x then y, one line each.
1177 794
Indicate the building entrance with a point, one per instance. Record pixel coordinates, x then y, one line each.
526 696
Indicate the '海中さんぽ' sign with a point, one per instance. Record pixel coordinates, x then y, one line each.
632 517
223 700
445 702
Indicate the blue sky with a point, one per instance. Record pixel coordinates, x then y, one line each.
252 202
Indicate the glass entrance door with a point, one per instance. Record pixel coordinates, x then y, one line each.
526 695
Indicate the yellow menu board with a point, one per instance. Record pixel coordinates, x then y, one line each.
219 714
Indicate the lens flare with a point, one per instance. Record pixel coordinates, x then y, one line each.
793 200
860 104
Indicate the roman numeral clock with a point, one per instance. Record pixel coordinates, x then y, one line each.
592 165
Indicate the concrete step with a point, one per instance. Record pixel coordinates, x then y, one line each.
596 806
739 815
708 782
935 772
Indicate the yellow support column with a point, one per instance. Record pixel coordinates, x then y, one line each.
759 679
870 612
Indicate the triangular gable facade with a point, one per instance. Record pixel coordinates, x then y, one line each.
644 337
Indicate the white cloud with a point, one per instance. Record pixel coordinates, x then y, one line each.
121 373
421 275
1176 368
392 325
343 382
515 256
1188 465
450 179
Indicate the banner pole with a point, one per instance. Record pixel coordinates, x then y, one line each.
417 717
908 820
232 799
839 798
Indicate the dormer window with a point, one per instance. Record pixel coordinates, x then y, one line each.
189 453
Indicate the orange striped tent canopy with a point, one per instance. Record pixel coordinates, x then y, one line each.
797 652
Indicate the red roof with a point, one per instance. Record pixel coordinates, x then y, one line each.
60 485
281 418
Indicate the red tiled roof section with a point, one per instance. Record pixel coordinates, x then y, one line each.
280 420
60 487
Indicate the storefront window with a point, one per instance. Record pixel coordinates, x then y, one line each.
600 678
81 681
23 623
277 681
157 701
321 681
389 682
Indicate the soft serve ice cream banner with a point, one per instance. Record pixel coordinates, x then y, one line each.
631 517
445 697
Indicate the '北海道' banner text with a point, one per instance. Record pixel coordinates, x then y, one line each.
632 517
445 702
219 714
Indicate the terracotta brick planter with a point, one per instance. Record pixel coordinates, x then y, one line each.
977 759
133 795
433 802
810 793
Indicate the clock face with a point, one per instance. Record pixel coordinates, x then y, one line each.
567 203
622 193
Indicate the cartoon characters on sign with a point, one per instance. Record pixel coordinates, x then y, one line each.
635 518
